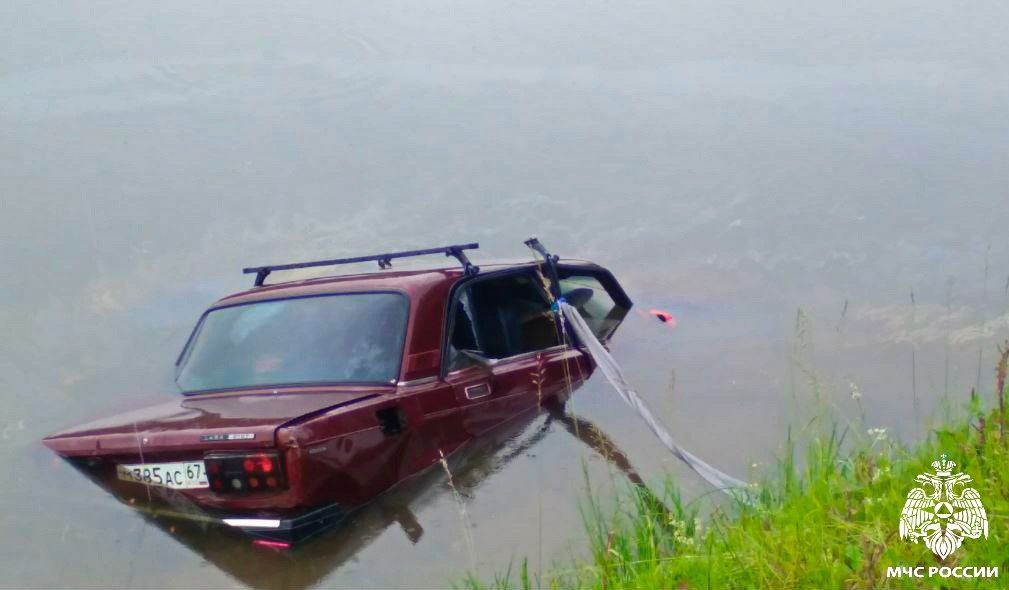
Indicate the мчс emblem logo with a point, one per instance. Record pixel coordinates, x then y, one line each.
944 511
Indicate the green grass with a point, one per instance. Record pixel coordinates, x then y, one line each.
832 523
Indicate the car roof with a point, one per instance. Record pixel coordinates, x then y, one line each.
427 289
412 282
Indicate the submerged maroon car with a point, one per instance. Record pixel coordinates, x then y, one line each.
301 401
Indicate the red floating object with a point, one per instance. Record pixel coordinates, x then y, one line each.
665 317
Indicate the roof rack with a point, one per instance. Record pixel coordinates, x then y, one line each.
384 261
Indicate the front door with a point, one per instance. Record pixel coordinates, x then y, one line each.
504 348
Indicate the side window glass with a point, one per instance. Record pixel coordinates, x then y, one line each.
513 316
463 333
586 294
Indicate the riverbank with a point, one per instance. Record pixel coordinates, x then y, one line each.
834 522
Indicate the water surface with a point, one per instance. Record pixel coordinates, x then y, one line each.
780 177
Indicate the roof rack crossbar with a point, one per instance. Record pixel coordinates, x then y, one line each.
384 261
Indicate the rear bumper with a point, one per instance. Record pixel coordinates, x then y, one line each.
280 531
287 530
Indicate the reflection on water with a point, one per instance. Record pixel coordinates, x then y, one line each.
732 166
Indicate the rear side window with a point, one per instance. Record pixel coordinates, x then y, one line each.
500 317
585 293
347 338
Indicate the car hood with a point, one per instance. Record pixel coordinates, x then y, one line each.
210 421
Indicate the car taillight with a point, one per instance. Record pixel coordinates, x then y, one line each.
244 472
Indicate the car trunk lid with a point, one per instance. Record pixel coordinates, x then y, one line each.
246 419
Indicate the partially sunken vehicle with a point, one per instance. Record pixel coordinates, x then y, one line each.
302 401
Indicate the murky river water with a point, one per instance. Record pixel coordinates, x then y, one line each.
781 178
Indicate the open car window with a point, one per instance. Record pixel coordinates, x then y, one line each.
500 317
342 338
597 297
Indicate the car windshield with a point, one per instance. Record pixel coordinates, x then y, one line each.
346 338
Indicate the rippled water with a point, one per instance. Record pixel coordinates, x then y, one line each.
780 177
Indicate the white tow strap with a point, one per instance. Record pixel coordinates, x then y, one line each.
608 365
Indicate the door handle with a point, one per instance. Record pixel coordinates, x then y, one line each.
477 391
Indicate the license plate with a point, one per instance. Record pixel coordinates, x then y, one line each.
180 476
